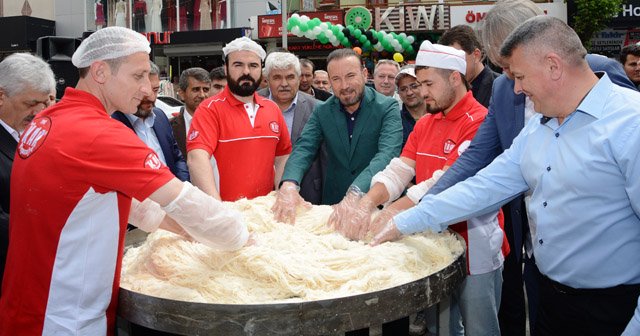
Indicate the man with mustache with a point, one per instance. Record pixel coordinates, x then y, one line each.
384 76
361 131
194 86
246 133
25 84
282 70
153 128
306 81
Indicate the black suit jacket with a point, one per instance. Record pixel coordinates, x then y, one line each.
7 150
180 131
482 85
170 150
321 95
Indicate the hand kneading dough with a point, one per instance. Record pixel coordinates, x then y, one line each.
304 262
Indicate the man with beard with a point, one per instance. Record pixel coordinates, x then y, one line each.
25 84
361 131
282 70
152 127
245 132
435 143
413 106
194 87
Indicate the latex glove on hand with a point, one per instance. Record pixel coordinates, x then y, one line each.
357 224
344 212
381 220
287 201
389 233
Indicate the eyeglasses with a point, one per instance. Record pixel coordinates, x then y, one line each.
413 87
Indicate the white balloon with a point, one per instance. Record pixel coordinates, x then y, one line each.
309 34
335 43
411 39
329 34
389 38
332 39
316 30
397 48
403 35
324 26
295 15
296 31
304 19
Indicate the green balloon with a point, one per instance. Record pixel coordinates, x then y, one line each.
366 45
316 22
303 26
405 44
350 27
357 33
363 38
409 49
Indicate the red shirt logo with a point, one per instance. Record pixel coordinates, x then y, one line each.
449 145
275 128
193 134
152 161
34 136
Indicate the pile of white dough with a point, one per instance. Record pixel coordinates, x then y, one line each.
304 262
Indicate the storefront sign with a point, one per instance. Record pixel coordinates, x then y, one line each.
629 15
271 25
158 38
411 18
608 42
314 46
472 15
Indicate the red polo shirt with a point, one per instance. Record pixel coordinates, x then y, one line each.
245 154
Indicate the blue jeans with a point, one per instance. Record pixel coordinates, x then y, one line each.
475 304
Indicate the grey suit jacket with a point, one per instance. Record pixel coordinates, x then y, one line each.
311 185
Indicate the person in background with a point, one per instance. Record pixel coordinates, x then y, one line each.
152 127
480 77
26 83
76 175
630 59
283 76
194 87
218 80
413 101
246 133
306 81
583 188
321 80
384 76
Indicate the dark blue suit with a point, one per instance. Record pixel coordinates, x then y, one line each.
502 124
170 150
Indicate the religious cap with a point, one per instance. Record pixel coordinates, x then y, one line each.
109 43
244 43
407 71
442 57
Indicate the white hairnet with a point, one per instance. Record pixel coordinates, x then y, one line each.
244 43
109 43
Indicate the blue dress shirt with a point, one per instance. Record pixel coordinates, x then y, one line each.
289 112
584 180
144 130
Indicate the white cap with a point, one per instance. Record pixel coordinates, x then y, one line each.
442 57
109 43
244 43
408 71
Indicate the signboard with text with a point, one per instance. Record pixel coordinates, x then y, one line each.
472 15
270 26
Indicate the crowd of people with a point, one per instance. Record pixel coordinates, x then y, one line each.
537 168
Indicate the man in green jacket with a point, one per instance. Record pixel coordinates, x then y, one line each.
360 129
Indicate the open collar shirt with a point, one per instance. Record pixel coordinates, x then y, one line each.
584 181
146 133
289 112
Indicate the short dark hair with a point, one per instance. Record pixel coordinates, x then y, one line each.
342 53
217 73
305 62
199 74
632 49
462 35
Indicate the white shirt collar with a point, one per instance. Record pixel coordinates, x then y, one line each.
11 131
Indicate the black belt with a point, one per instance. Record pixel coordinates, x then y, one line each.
617 290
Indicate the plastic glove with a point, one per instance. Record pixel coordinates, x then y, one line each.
146 215
207 220
287 201
343 210
381 220
389 233
357 222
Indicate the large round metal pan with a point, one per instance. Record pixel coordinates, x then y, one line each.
321 317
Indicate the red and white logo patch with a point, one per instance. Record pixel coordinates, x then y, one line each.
449 145
192 135
34 136
275 128
152 161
